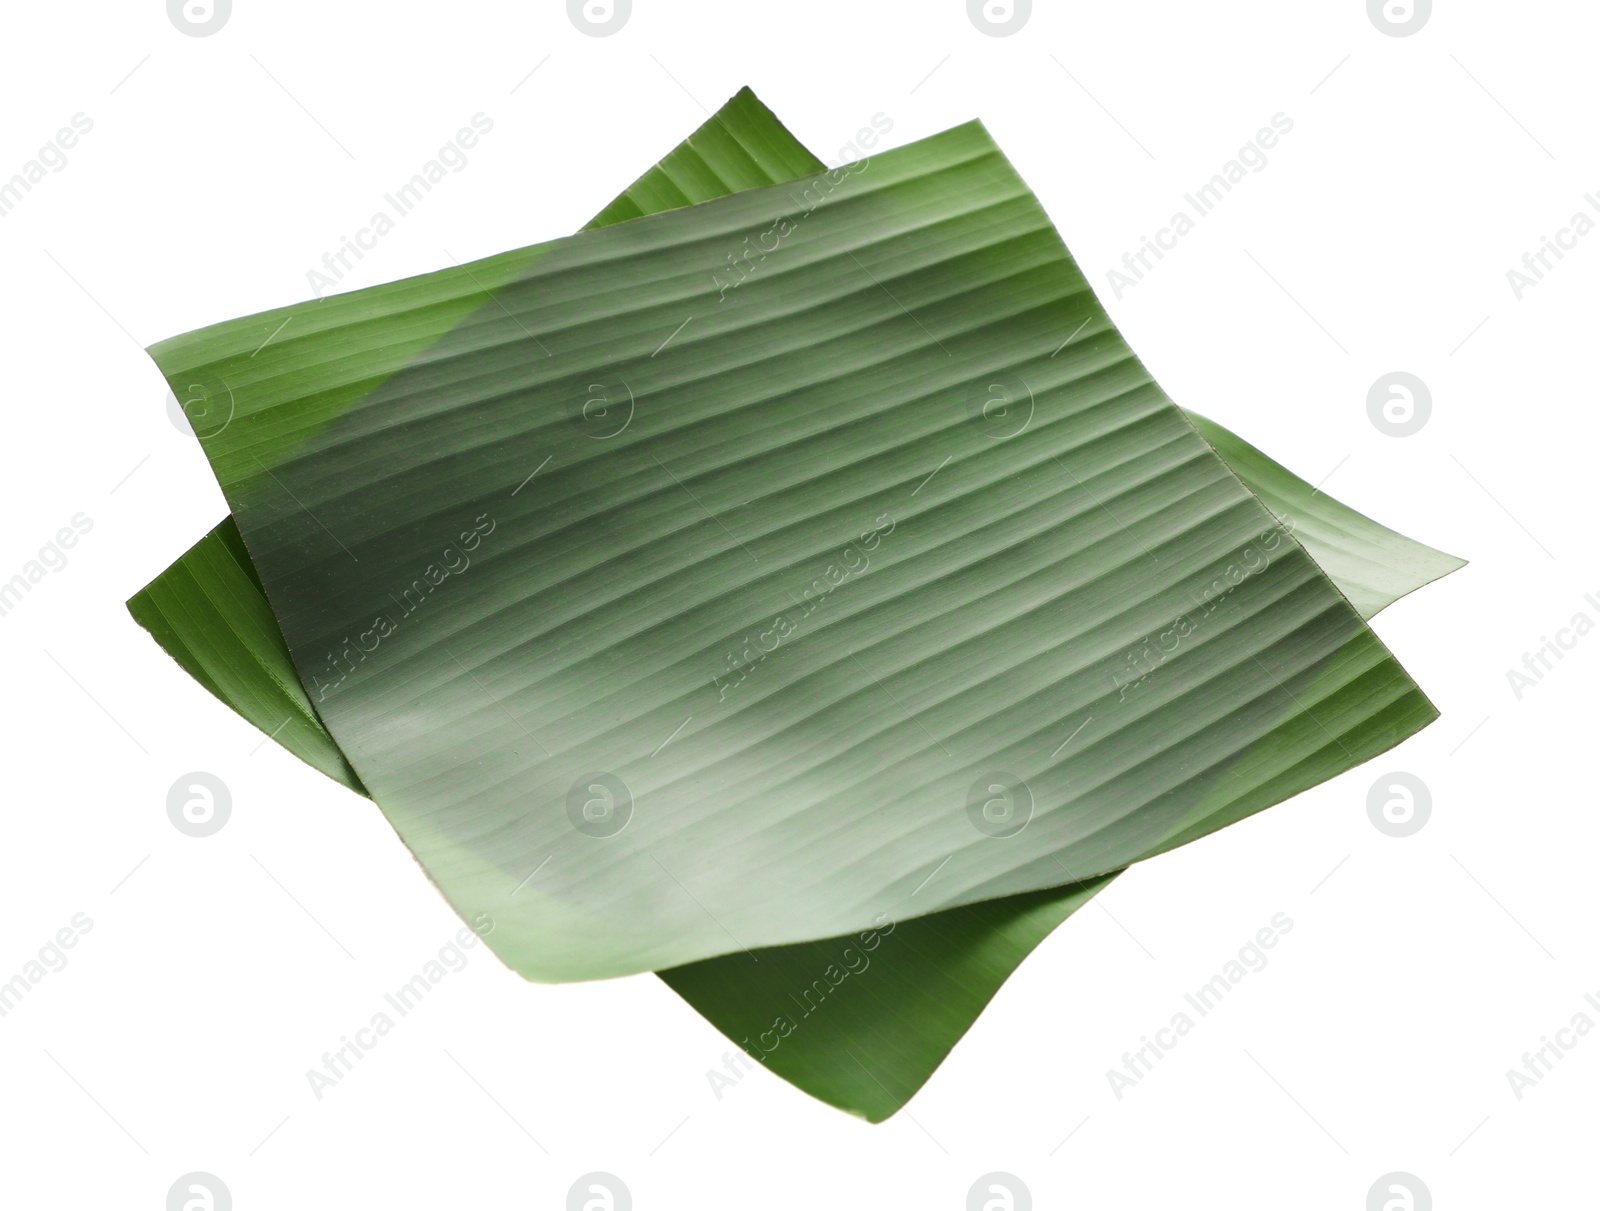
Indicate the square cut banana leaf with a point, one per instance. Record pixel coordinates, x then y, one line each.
806 573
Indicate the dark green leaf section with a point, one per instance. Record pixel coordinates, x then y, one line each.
1372 564
209 613
861 1021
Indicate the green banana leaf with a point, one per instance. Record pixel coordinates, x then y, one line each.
975 946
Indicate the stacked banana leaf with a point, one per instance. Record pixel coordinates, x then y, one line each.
791 584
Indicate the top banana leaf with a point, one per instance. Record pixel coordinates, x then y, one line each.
928 996
869 442
209 612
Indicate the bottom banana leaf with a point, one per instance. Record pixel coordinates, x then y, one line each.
811 1012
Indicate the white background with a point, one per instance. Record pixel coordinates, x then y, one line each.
219 970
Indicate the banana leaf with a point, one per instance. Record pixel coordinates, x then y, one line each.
318 432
